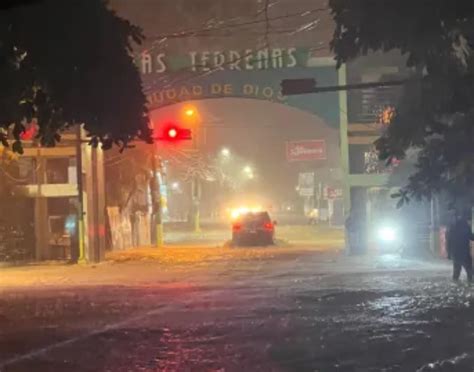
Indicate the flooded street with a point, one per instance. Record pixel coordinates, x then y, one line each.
288 310
251 185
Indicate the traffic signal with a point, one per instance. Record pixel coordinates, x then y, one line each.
174 133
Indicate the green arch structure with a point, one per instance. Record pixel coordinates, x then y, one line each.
182 82
263 85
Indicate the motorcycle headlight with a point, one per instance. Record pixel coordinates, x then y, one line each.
387 234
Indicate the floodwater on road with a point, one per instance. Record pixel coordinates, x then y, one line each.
295 311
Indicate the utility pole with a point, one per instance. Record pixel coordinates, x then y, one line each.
196 198
196 187
96 204
80 196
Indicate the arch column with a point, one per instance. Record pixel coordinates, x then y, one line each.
343 138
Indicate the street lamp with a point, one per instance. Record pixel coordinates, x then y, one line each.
189 112
225 152
249 172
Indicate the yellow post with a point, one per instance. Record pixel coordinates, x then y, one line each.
80 232
159 235
344 139
197 222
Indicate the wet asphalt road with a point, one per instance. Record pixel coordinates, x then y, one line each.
288 311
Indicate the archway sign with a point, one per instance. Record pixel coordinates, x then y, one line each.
253 74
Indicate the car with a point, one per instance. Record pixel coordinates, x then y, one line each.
253 228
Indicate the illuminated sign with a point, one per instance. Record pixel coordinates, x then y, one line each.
151 62
199 91
306 150
254 74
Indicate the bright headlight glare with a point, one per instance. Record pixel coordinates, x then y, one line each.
387 234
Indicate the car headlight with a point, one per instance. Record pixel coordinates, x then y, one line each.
387 234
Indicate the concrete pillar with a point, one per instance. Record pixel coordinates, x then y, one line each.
101 211
343 138
359 211
94 204
41 229
41 213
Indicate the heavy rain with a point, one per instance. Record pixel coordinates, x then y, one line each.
256 185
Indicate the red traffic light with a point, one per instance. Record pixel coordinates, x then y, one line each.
174 133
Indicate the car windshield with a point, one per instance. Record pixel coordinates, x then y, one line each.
256 218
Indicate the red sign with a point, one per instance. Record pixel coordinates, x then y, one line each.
306 150
331 193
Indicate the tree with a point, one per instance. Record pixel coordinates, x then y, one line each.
124 171
436 114
8 4
69 62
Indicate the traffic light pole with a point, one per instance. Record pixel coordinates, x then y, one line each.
196 191
292 87
309 86
344 137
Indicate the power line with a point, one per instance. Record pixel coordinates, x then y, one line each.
267 21
204 32
271 31
196 32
